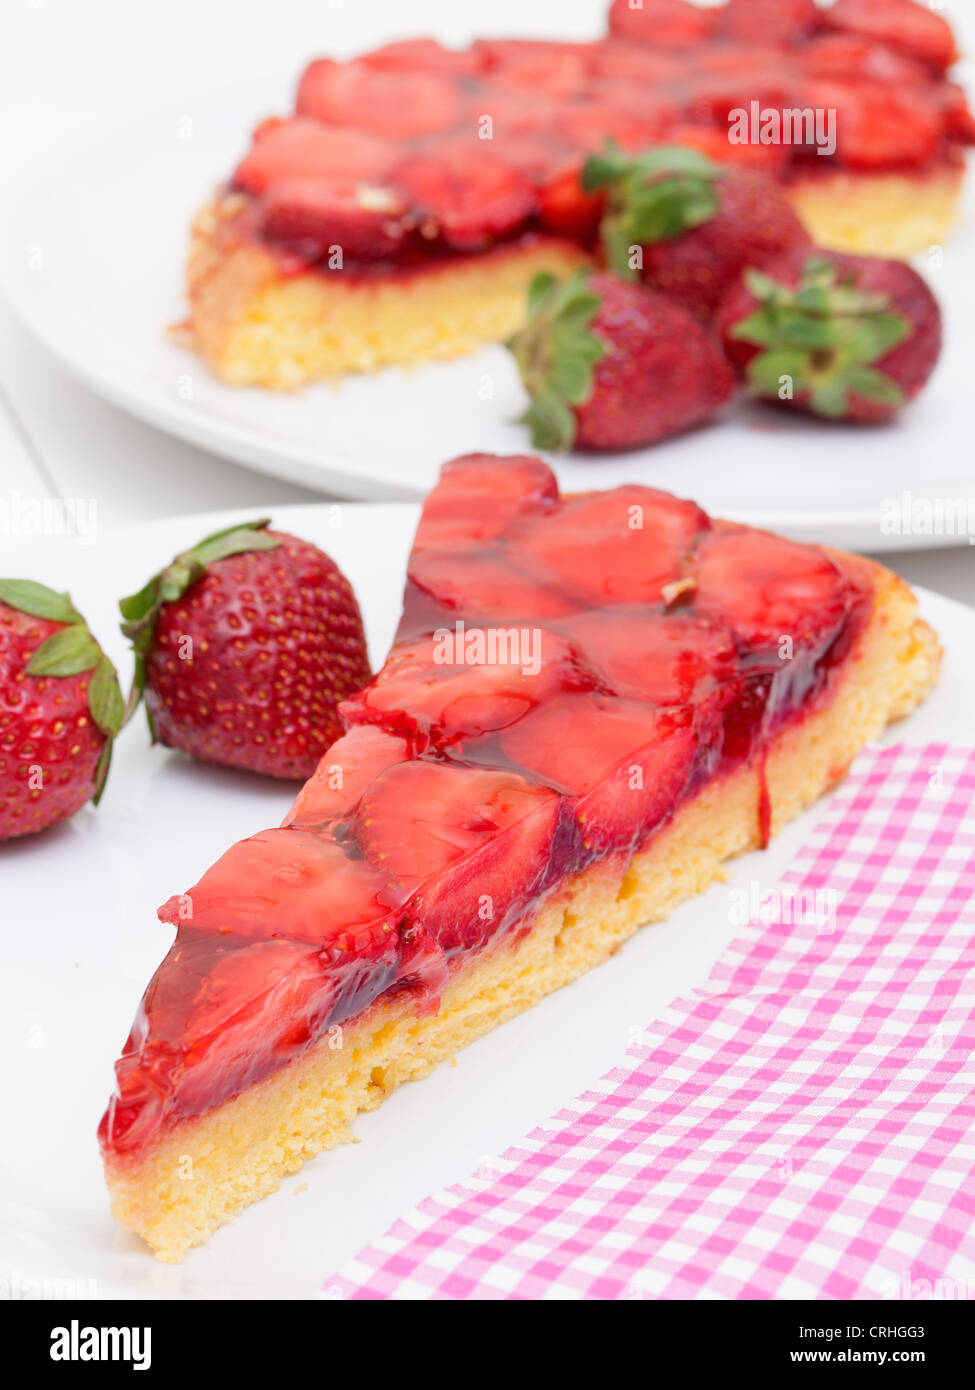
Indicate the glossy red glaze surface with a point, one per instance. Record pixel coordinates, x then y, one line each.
566 673
461 150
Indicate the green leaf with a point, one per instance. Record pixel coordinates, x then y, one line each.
878 335
136 606
616 247
601 169
551 421
235 540
177 578
65 653
796 329
101 770
814 299
539 290
830 398
873 385
666 208
38 600
760 328
819 270
763 287
767 369
613 164
105 698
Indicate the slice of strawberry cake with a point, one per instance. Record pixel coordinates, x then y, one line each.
401 210
591 703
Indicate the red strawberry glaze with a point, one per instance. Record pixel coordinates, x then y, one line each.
567 672
417 153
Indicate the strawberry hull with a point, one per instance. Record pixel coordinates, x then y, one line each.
464 794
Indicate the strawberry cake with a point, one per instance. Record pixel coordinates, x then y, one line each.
591 703
399 213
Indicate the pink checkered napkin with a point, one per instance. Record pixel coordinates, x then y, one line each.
802 1127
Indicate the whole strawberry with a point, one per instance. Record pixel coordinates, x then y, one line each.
244 647
845 337
686 226
60 709
610 364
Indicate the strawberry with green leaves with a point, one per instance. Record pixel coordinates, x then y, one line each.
610 364
60 709
840 336
687 226
245 645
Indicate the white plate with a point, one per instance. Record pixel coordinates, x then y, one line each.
94 268
81 940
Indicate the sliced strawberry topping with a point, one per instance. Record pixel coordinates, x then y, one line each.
958 117
482 584
315 215
899 22
717 88
622 546
639 62
350 766
421 816
713 141
498 55
475 843
626 763
485 892
588 124
303 149
878 125
673 23
665 659
396 105
292 883
215 1019
518 120
558 76
464 194
773 593
422 55
841 55
464 684
565 209
784 21
478 496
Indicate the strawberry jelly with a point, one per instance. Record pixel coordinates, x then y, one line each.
567 672
415 153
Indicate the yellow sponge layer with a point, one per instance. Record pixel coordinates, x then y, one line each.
879 214
257 327
202 1174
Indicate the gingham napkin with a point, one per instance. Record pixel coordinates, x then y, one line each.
801 1127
